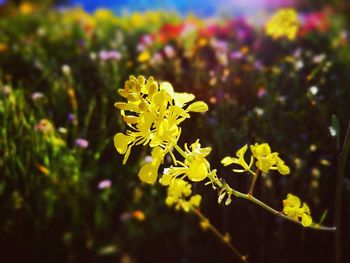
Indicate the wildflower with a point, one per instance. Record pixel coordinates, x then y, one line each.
153 114
139 215
26 8
239 160
45 126
261 92
103 15
266 160
316 21
109 55
198 166
236 55
149 172
6 90
66 70
3 47
104 184
195 166
156 59
37 95
144 56
72 118
284 23
168 32
293 208
43 169
62 130
82 143
93 56
169 51
178 193
147 40
325 162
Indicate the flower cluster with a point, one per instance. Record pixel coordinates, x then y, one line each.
284 23
178 193
265 160
153 113
293 208
195 166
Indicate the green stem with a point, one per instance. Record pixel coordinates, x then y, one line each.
267 207
251 188
180 151
256 201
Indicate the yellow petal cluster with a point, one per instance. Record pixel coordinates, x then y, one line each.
284 23
239 159
195 166
293 208
179 195
153 113
265 160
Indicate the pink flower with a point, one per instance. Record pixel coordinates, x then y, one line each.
110 55
104 184
169 51
82 143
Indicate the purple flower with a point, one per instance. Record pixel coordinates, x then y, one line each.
236 55
258 65
82 143
71 117
110 55
220 45
169 51
104 184
156 59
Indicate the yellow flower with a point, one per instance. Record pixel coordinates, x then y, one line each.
149 172
26 8
292 207
198 170
198 166
284 23
144 56
104 15
195 166
240 160
267 160
139 215
152 113
178 193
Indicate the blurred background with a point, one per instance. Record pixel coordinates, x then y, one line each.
65 195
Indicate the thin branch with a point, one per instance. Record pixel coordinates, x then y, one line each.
255 176
231 191
224 238
265 206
